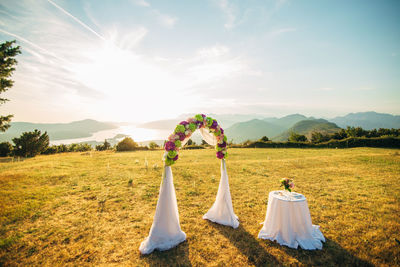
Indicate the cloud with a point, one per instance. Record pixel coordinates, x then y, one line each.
66 67
283 30
214 51
76 19
141 3
165 20
229 11
326 89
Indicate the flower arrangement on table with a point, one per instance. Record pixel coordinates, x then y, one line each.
287 183
185 129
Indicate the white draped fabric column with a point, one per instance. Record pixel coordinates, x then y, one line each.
222 210
165 233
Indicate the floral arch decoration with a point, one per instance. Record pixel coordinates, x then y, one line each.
211 132
165 231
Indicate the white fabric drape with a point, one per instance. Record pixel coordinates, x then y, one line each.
222 210
288 221
208 136
165 233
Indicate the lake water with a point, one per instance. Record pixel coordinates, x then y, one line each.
137 134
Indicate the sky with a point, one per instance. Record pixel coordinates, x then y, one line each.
142 60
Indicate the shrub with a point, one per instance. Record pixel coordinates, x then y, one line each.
5 149
153 145
62 148
105 146
317 137
295 137
127 144
30 144
82 147
51 150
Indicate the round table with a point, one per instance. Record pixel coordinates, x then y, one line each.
288 221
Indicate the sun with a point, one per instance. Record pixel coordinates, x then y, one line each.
134 87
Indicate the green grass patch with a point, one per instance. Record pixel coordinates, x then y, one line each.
74 209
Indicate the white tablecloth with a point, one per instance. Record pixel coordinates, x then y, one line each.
288 221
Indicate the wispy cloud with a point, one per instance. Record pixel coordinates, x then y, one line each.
283 30
229 11
326 89
107 69
141 3
165 20
76 19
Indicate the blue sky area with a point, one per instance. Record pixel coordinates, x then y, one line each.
140 60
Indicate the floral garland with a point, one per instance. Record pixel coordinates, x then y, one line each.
185 129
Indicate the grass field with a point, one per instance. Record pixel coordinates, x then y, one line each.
95 208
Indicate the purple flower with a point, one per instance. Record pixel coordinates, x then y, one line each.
222 145
222 131
220 155
184 123
181 136
203 115
176 158
214 124
169 146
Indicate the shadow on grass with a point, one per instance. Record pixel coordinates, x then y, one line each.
177 256
332 254
247 244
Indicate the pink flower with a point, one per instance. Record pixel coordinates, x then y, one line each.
291 185
172 138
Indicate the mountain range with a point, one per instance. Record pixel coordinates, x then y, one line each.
58 131
238 127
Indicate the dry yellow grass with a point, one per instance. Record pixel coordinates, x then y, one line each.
80 209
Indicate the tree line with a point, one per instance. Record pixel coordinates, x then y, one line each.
30 144
344 138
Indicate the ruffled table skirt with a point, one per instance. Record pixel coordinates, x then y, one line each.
288 222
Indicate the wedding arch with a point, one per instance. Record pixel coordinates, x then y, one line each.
165 232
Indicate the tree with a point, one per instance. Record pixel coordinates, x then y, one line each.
127 144
153 145
341 134
355 132
5 149
7 63
264 139
30 144
105 146
317 137
295 137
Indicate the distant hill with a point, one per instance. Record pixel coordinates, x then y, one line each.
58 131
307 127
287 121
252 130
225 120
368 120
